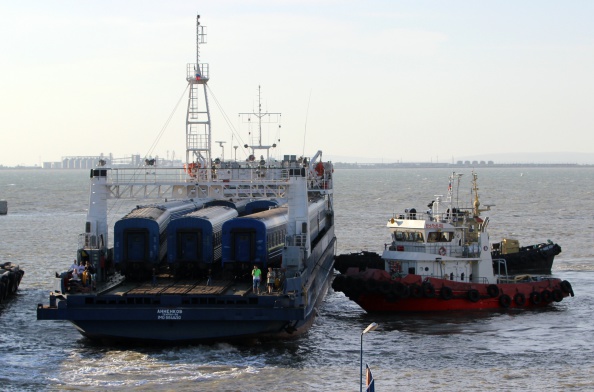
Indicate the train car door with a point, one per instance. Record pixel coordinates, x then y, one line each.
136 245
188 245
243 247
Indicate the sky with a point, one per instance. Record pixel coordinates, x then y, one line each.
363 81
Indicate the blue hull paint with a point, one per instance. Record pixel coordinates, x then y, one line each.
186 318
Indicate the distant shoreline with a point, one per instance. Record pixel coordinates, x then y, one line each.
428 165
406 165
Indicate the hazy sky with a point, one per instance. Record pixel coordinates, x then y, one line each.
384 80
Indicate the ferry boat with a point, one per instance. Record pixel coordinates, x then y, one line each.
180 267
531 259
10 279
440 260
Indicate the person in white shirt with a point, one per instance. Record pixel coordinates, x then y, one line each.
80 268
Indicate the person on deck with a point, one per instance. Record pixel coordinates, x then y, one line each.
256 274
270 278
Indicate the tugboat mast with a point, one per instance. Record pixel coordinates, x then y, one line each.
198 133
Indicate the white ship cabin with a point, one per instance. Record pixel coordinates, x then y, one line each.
451 245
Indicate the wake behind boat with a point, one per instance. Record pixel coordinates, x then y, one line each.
441 260
183 268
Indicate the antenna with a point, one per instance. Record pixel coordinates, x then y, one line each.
222 150
262 118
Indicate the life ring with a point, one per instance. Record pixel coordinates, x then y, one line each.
546 296
520 299
493 290
442 251
485 248
191 169
428 290
557 295
415 291
473 295
505 301
535 298
446 293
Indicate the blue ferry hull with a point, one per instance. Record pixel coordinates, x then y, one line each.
186 318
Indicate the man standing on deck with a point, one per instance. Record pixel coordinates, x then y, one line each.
256 273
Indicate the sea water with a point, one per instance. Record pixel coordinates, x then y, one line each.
545 349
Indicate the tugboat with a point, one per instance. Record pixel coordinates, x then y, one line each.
440 260
534 259
180 269
10 279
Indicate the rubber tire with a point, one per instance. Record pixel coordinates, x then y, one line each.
473 295
566 286
546 296
557 295
520 299
535 298
385 287
446 293
428 290
493 291
415 291
505 301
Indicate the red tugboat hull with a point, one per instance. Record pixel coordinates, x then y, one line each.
375 291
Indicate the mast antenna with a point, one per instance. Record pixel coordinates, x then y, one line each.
263 118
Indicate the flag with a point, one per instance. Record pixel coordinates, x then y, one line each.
369 383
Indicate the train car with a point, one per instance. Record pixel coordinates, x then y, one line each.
260 205
194 240
259 238
318 219
238 205
140 237
256 238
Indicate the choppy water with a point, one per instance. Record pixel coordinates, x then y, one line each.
533 350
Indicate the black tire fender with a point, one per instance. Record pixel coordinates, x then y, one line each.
415 291
473 295
520 299
446 293
493 290
557 295
535 298
505 301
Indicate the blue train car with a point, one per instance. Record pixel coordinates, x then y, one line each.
140 237
195 239
257 238
260 205
238 205
318 218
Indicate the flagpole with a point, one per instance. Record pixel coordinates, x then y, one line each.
370 327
